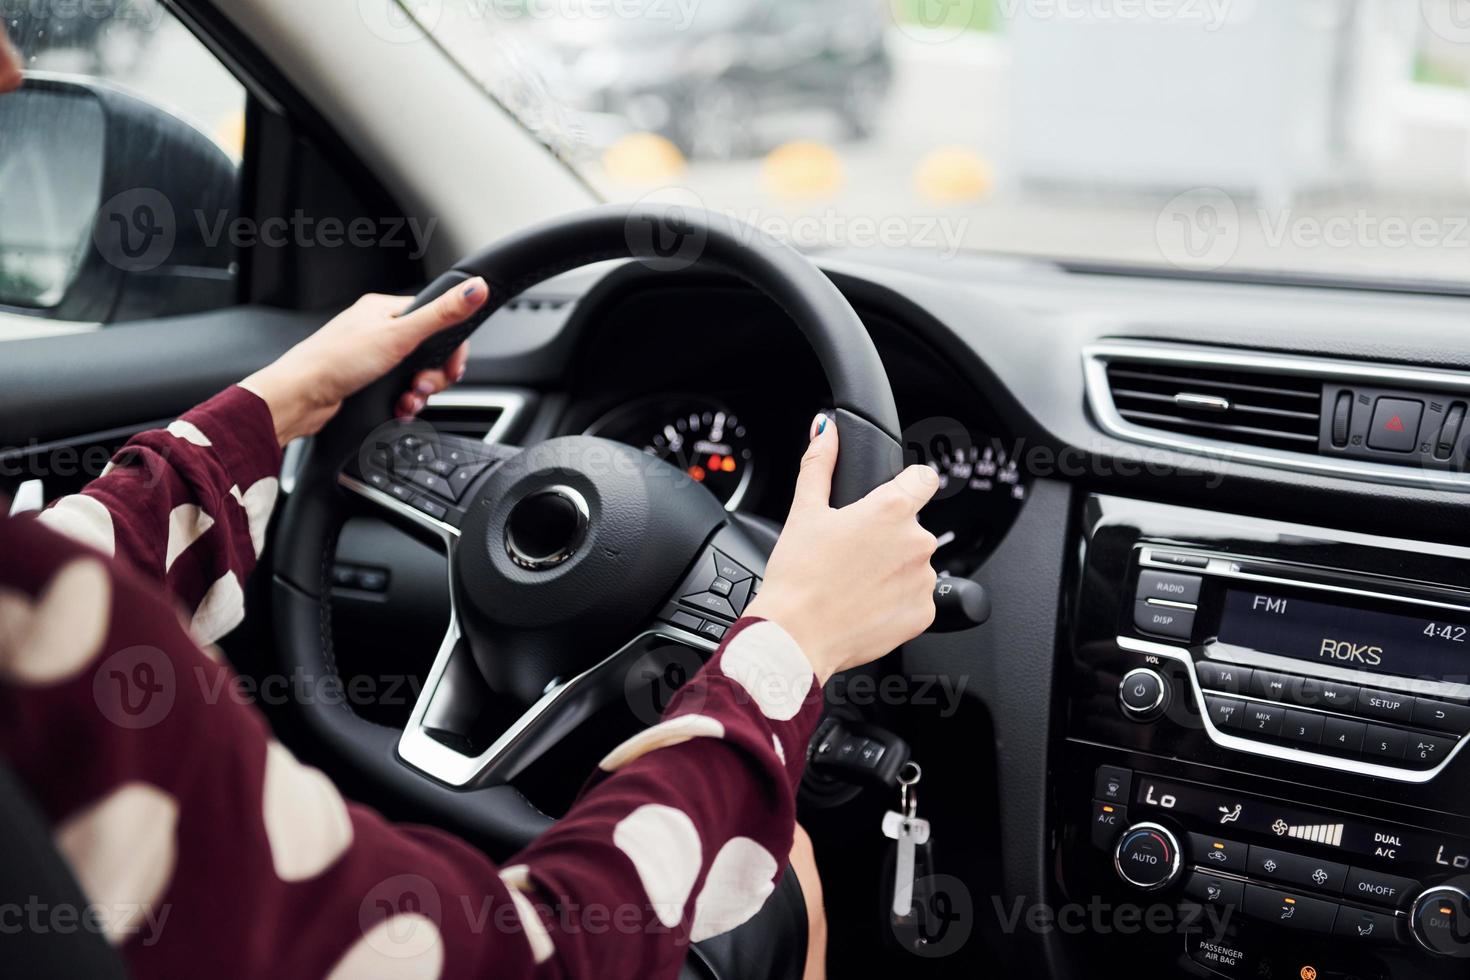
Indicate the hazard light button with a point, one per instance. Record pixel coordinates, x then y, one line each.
1395 425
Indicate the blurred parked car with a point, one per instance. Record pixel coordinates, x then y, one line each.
708 84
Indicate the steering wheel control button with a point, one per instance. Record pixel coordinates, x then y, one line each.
432 483
721 586
1169 585
1230 679
712 630
1440 921
1111 784
685 620
1147 856
1217 853
1208 889
1294 869
1366 926
730 570
1108 821
433 508
1168 621
711 603
1142 693
1378 888
546 527
1395 425
1289 910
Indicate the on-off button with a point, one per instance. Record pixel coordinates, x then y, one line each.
1167 621
1141 692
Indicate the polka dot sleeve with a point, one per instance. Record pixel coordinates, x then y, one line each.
206 848
187 506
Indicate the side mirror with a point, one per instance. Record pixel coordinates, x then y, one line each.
111 208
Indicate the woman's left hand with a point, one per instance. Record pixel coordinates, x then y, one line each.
306 385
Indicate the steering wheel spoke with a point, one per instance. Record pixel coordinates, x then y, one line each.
420 475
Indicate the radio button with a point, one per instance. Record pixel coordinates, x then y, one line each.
1385 704
1225 712
1167 621
1342 735
1304 727
1327 876
1378 888
1442 715
1327 694
1427 751
1275 687
1385 743
1224 677
1169 585
1263 719
1290 911
1217 853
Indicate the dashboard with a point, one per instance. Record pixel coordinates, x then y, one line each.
1091 745
731 407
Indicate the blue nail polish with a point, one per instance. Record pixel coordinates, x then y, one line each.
471 290
822 425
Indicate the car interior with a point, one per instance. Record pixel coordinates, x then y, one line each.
1195 695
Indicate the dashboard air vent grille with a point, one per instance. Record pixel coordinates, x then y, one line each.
1279 411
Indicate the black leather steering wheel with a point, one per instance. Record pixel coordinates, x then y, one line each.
562 554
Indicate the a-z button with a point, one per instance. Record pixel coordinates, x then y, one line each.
1163 620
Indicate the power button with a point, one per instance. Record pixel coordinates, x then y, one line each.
1142 693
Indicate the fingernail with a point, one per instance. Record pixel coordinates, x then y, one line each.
459 373
424 388
472 288
819 425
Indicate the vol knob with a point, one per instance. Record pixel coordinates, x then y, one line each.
1440 921
1147 856
1142 693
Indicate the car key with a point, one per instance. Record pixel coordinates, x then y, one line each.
909 832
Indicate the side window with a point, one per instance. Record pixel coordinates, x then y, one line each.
119 168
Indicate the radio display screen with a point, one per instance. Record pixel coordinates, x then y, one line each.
1431 646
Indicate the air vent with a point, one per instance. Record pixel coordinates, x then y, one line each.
477 413
1254 408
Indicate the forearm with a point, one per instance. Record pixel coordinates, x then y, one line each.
187 506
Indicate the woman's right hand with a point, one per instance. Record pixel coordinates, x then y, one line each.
850 583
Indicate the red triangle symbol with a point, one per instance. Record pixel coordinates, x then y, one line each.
1395 424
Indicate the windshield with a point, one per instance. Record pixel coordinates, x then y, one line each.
1310 138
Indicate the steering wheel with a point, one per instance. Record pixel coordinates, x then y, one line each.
570 559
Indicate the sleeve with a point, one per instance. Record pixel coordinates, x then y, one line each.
207 848
187 506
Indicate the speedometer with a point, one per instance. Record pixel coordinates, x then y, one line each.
700 436
980 489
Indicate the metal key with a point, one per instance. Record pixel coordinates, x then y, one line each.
905 827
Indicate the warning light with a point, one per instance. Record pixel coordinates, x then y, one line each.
714 463
728 465
1309 972
697 472
1394 424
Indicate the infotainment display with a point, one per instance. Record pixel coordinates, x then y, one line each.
1431 646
